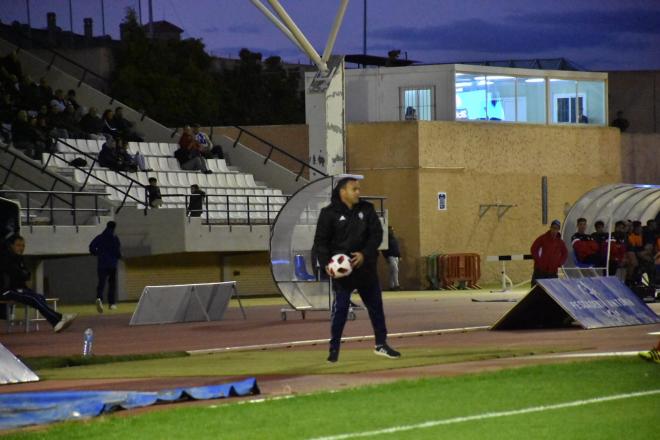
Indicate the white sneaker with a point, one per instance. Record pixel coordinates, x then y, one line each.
64 322
113 306
99 305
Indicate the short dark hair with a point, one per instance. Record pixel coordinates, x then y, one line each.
152 179
341 184
582 220
13 239
111 225
599 223
620 223
636 223
649 221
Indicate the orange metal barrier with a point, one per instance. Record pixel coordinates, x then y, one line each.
459 268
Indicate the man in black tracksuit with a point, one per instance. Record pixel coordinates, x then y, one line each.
351 226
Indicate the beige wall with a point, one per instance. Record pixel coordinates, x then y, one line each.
640 158
477 163
293 139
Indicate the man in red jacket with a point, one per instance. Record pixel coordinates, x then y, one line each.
549 252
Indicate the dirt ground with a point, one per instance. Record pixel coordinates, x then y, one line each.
113 336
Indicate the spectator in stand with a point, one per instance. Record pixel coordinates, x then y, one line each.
45 92
109 128
127 162
188 154
107 249
196 201
14 277
42 131
24 136
124 126
207 148
8 109
549 253
71 99
154 197
92 125
586 249
30 95
108 155
67 121
58 103
57 123
620 122
12 64
392 256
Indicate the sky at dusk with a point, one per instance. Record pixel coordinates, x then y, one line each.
594 34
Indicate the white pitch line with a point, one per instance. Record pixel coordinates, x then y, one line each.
311 342
488 415
654 333
587 355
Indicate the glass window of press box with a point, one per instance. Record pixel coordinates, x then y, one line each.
522 99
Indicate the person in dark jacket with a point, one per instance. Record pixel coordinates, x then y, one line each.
393 255
351 226
196 201
549 253
107 249
14 277
154 197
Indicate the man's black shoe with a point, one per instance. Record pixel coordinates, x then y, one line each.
387 351
333 356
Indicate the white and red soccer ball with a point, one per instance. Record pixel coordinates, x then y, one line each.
340 266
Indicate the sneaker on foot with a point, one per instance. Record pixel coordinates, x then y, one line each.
387 351
333 356
64 323
113 306
651 355
99 305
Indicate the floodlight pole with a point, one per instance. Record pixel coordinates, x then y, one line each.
335 29
277 23
306 45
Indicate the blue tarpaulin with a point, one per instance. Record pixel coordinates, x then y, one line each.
35 408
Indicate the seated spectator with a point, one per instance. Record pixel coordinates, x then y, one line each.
108 155
649 232
67 121
124 126
30 95
58 103
92 125
57 122
14 277
188 154
620 264
12 64
45 92
154 197
620 122
635 237
8 109
71 99
25 137
196 201
585 247
207 149
127 162
109 128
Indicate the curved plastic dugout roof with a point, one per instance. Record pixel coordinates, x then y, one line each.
610 203
293 235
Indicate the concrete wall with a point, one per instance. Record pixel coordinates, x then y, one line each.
477 163
640 158
637 94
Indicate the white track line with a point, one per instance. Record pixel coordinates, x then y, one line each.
488 415
587 355
311 342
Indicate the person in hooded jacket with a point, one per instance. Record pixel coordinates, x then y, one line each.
107 249
549 253
351 226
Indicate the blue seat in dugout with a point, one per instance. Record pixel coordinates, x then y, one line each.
301 269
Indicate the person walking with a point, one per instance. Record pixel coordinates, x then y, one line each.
549 253
393 256
107 249
351 226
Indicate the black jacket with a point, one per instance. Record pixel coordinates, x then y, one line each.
340 230
392 247
13 272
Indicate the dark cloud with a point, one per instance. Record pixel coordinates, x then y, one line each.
232 52
211 30
244 28
637 21
526 34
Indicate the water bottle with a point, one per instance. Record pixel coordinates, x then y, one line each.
88 340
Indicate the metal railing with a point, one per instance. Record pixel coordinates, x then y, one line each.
88 174
30 210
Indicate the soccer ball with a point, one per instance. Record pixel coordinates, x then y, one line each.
340 266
